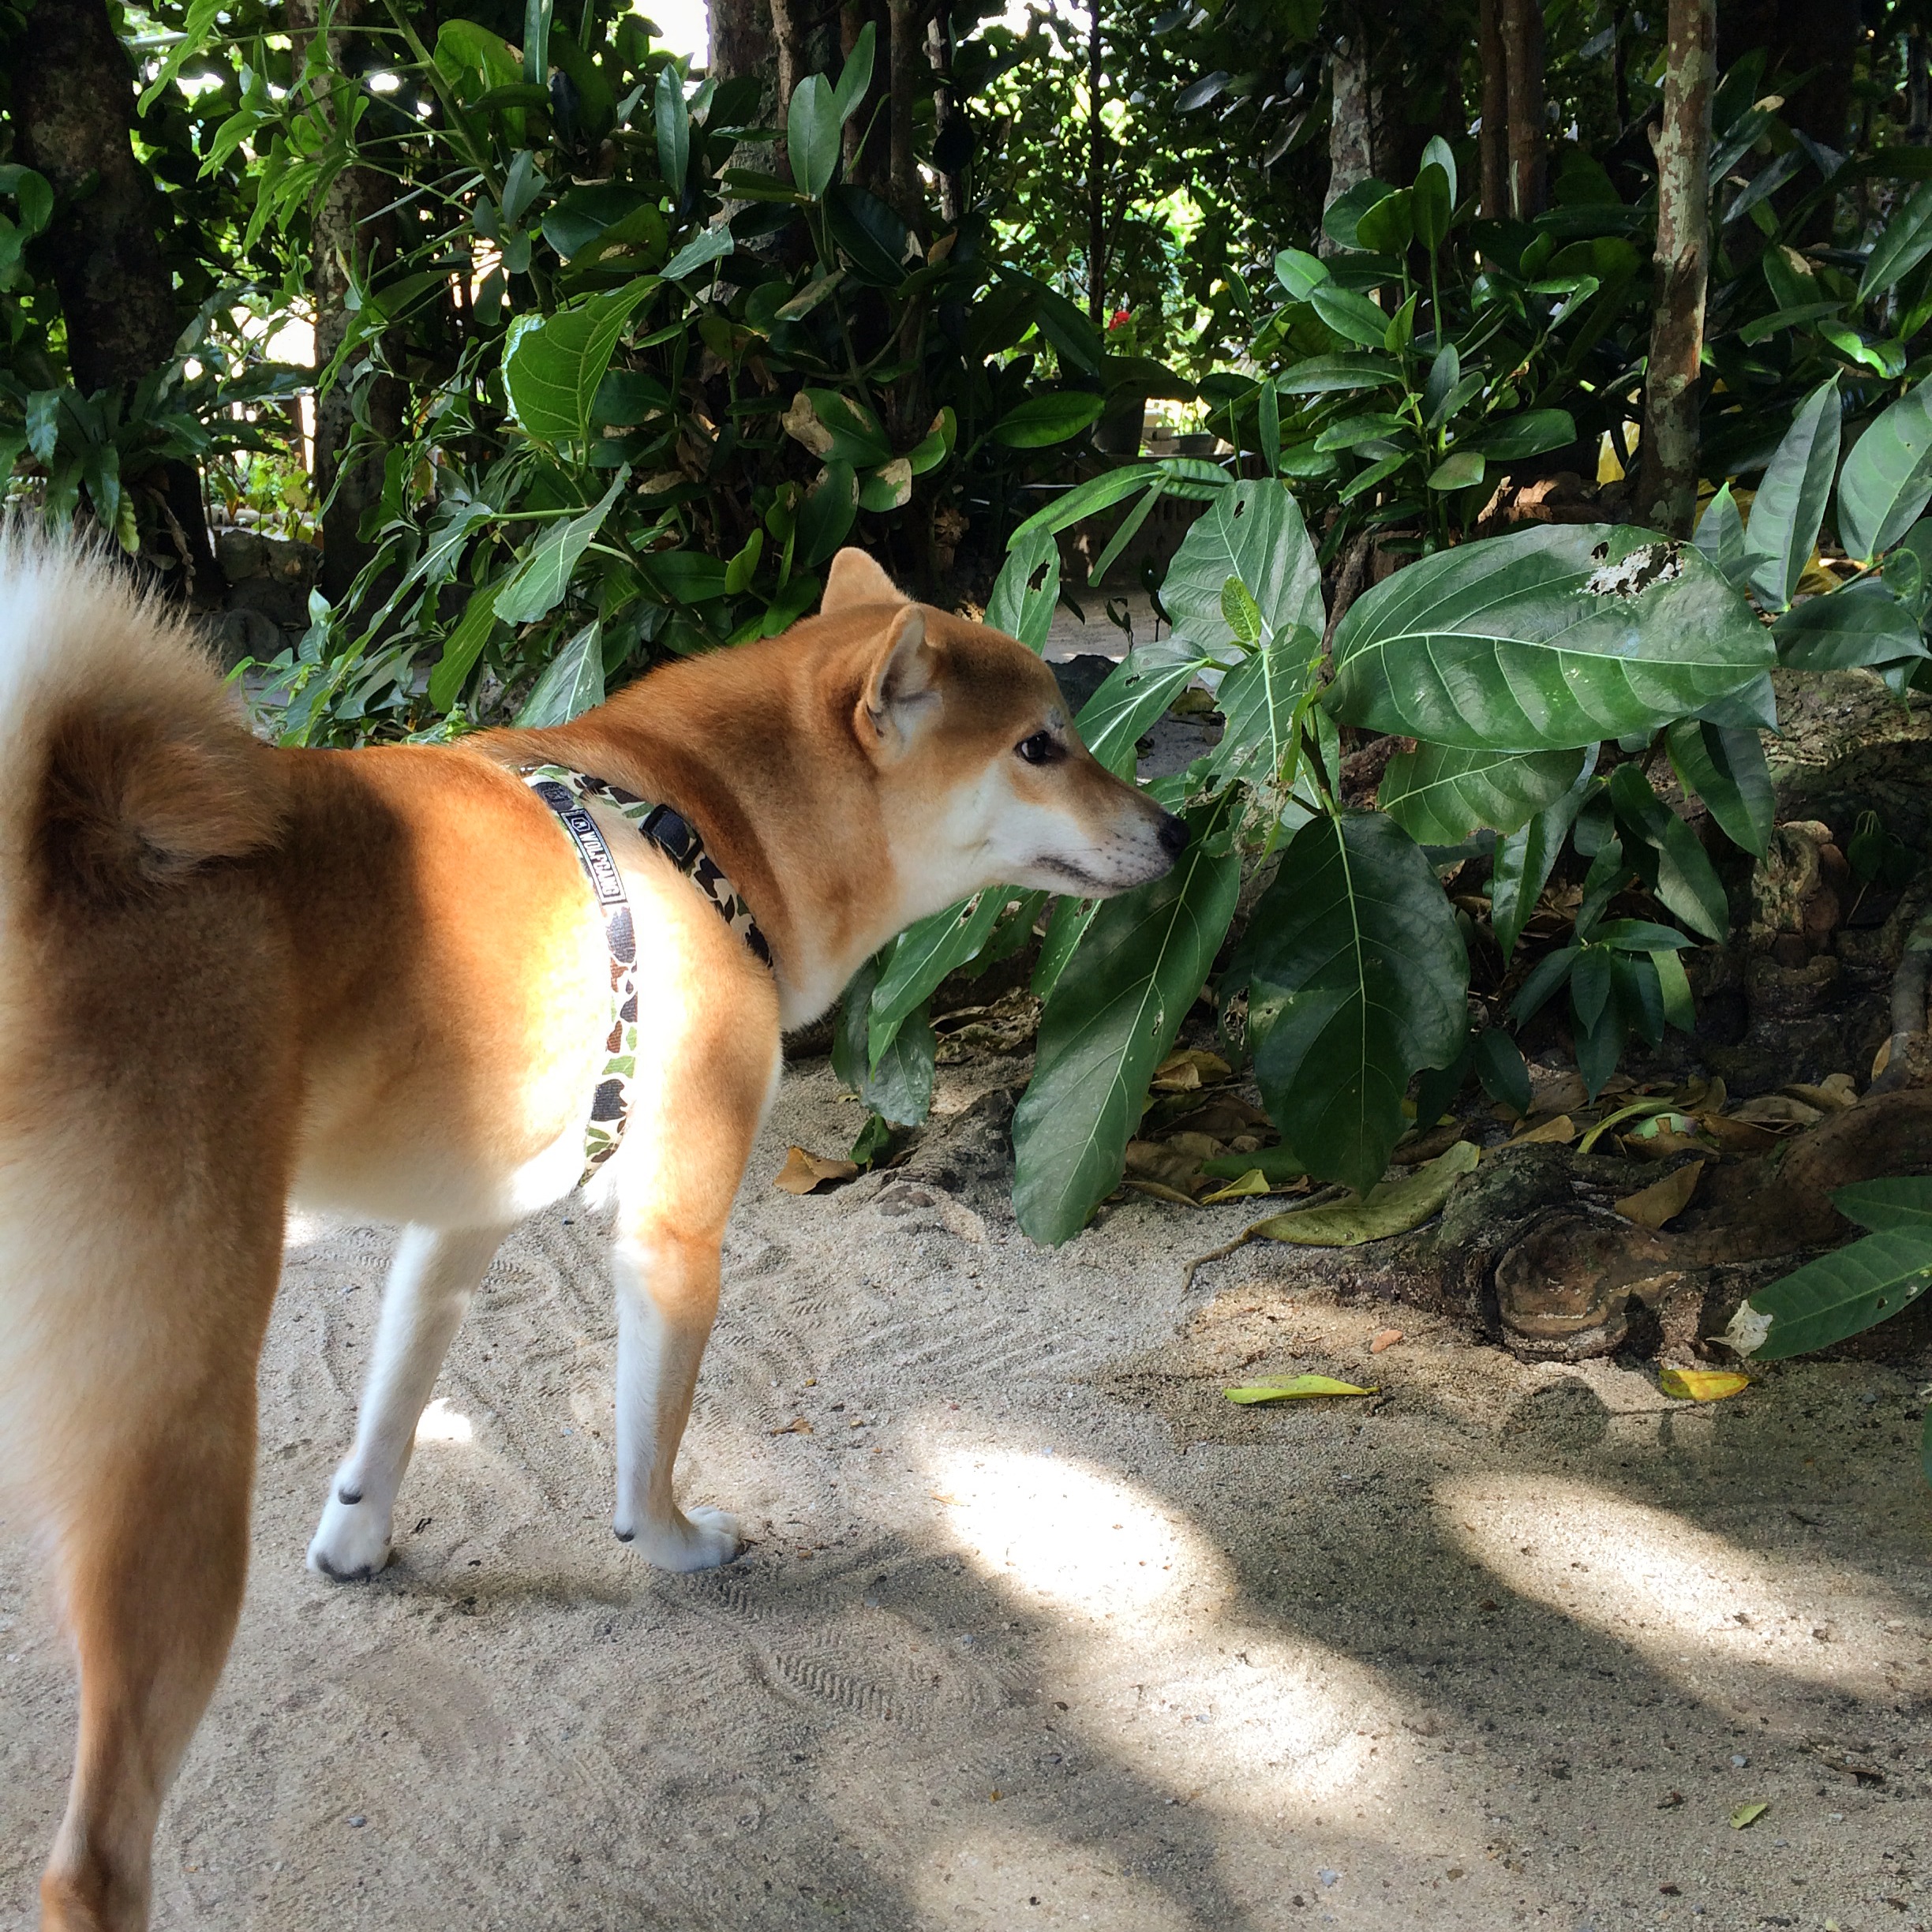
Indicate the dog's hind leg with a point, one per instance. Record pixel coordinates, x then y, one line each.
149 1522
432 1281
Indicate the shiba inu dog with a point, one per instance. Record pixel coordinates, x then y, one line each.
443 985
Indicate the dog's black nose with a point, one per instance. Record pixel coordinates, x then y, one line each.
1173 835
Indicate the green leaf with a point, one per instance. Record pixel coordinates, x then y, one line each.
1437 153
1434 203
1790 503
1089 499
1887 479
1356 976
1544 639
1502 1069
552 367
1685 880
1725 767
1863 623
1720 536
537 584
1531 433
922 955
1109 1023
1254 532
42 408
812 125
462 647
1349 315
1389 1207
1904 242
1136 692
1840 1294
1524 860
826 514
1680 1009
856 77
1439 794
1300 273
1459 471
1901 1205
1388 226
1320 374
1055 417
671 121
1065 928
1262 699
1027 589
708 245
572 682
1445 372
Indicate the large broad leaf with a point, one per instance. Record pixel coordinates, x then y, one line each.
553 367
921 956
1899 1204
1666 853
1724 766
1529 434
1135 693
1320 374
1720 536
899 1086
1357 977
537 586
1027 589
1839 1294
1887 479
1354 318
1261 700
1790 503
812 125
1545 640
1524 860
1042 421
1440 794
1905 242
1863 623
1254 533
1113 1014
572 682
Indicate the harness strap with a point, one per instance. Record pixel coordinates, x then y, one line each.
567 793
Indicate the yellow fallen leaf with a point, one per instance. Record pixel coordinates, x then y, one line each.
1254 1182
1184 1071
797 1426
1746 1815
1293 1387
803 1172
1702 1384
1653 1206
1390 1207
1561 1131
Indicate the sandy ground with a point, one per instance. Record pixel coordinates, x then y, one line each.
1037 1629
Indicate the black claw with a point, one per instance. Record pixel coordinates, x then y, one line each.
345 1495
344 1576
623 1535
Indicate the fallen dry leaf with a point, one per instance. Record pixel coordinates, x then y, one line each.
1832 1094
1415 1148
1253 1182
1736 1136
1293 1388
802 1172
1777 1110
1165 1166
1191 1068
1561 1132
1161 1191
1746 1815
1557 1093
1201 1146
1702 1384
1390 1207
1653 1206
797 1426
1386 1339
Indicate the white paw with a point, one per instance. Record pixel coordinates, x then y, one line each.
698 1539
351 1542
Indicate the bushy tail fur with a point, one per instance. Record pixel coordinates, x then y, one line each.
126 760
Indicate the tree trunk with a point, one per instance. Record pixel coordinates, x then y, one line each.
1494 145
945 112
908 57
73 116
1351 131
345 244
1918 127
741 41
1667 483
1522 48
1096 176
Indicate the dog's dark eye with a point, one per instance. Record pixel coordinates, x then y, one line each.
1041 748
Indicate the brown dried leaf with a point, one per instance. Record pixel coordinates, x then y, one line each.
1191 1068
1832 1094
804 1173
797 1426
1736 1136
1664 1199
1559 1131
1165 1166
1778 1111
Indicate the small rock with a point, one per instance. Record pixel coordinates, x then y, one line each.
1739 1760
358 1821
1329 1878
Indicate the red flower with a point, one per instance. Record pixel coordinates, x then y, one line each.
1119 318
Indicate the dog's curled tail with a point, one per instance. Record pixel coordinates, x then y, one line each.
124 761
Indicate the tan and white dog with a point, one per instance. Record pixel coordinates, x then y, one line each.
233 977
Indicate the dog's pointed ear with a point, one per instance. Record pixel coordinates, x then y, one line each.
900 688
854 579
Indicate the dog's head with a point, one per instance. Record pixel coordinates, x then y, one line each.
983 779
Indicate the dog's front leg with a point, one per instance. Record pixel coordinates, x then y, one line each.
435 1274
666 1297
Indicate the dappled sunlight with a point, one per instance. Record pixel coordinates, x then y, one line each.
439 1423
1005 1874
1679 1594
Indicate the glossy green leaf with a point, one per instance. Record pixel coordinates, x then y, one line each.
1439 794
1109 1023
1863 623
1462 470
1027 589
672 126
1435 198
1255 533
899 1087
1524 860
1544 639
708 245
552 367
812 126
1262 699
1685 879
1887 479
537 586
462 647
1318 375
1900 1204
913 965
1054 416
1790 503
1532 432
1356 977
1725 767
1390 1207
1840 1294
1090 498
572 682
1904 243
1437 153
825 515
1388 226
1351 316
856 77
1720 536
1300 273
1136 691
